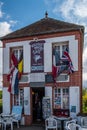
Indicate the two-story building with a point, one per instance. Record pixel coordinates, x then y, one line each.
48 70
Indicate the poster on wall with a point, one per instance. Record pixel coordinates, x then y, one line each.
73 109
46 107
37 56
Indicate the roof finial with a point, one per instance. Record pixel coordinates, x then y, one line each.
46 15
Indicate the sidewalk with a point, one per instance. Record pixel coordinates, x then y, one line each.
34 128
30 128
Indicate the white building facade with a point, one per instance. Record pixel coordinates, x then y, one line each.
37 80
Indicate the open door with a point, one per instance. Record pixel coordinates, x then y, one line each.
37 96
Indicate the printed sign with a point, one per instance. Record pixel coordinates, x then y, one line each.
37 56
73 108
49 78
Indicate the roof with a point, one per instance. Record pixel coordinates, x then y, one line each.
44 26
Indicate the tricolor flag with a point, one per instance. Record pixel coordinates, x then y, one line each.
15 82
14 64
56 57
20 65
12 76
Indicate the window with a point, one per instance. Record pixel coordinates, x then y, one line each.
60 61
61 98
57 98
19 99
58 51
18 52
65 98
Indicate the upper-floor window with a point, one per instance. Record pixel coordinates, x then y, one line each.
58 52
18 53
61 61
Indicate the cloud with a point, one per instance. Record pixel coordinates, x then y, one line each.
7 23
71 10
4 25
75 11
81 9
5 28
1 13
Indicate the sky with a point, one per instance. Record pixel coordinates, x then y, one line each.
15 14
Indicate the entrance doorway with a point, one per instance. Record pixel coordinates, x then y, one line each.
37 96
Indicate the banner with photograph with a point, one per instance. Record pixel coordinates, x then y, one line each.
37 56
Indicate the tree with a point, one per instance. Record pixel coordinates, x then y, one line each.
84 99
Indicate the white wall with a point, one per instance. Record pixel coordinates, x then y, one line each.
73 47
27 60
5 60
47 56
74 99
26 100
6 101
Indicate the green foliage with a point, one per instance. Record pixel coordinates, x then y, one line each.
0 94
84 99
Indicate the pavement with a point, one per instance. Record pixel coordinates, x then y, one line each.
32 127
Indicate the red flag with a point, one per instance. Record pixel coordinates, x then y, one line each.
9 88
54 72
67 55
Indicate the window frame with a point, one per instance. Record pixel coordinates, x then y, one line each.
60 45
61 98
19 99
13 49
18 49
